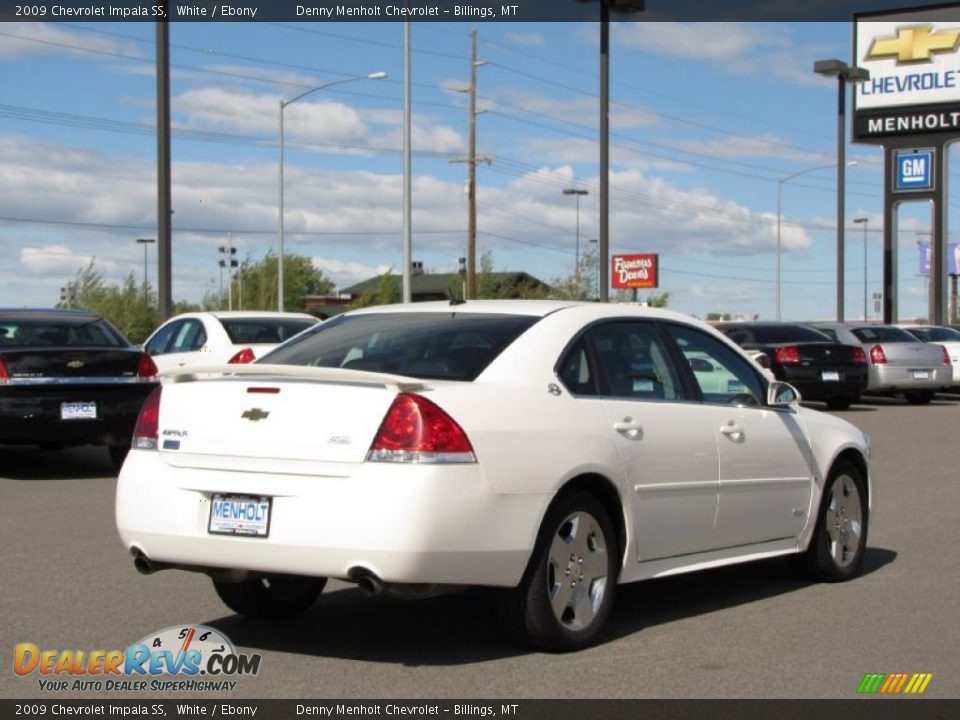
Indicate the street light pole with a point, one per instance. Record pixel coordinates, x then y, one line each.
780 182
845 74
577 193
619 6
864 221
283 104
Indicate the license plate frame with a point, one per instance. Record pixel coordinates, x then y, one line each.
222 520
830 376
85 410
921 374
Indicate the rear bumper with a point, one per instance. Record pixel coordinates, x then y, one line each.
30 415
897 378
812 386
403 523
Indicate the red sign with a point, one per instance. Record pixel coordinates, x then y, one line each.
634 271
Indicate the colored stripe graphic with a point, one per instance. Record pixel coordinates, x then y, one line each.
871 682
894 683
918 683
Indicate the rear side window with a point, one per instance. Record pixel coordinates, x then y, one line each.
774 334
251 331
51 333
454 346
883 333
936 334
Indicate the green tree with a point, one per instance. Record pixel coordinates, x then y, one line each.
581 284
130 306
387 292
254 283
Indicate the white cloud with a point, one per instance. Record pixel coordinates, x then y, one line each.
532 39
767 145
53 260
32 38
349 220
735 47
345 273
698 41
321 121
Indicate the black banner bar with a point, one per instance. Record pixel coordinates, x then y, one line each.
474 11
864 708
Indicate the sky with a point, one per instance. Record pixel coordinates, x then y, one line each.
705 119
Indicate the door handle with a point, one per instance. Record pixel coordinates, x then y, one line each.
629 429
733 431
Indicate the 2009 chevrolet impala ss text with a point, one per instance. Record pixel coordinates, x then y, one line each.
551 449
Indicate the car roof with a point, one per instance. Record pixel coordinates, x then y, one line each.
55 314
536 308
246 315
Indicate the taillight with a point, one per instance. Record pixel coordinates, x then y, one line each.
877 356
243 357
146 368
946 355
146 431
859 356
4 375
787 354
415 430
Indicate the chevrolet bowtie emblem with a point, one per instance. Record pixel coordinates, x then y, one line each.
255 414
914 44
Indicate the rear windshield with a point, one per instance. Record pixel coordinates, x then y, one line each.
773 334
454 346
251 331
883 334
59 333
936 334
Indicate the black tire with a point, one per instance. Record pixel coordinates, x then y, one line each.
579 521
919 398
118 453
839 403
271 598
840 537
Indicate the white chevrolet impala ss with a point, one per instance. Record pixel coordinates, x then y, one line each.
552 449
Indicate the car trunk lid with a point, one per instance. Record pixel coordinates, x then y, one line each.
290 414
74 365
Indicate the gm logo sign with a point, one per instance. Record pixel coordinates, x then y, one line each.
914 170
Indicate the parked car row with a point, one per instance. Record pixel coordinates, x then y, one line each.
838 362
553 450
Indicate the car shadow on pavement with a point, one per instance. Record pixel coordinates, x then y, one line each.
681 597
466 628
77 463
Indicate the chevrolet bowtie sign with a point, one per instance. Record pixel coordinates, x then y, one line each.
914 63
914 44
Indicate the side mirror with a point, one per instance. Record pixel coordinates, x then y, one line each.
781 394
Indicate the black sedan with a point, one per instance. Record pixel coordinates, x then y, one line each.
68 377
819 367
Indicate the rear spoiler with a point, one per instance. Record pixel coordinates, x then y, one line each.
302 373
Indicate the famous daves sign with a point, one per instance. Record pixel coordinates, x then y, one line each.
634 271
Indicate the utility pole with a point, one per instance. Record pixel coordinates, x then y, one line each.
472 176
471 160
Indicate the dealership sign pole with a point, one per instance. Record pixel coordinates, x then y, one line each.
911 107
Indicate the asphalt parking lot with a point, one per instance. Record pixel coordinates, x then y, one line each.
751 631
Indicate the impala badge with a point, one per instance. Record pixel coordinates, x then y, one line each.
255 414
75 364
